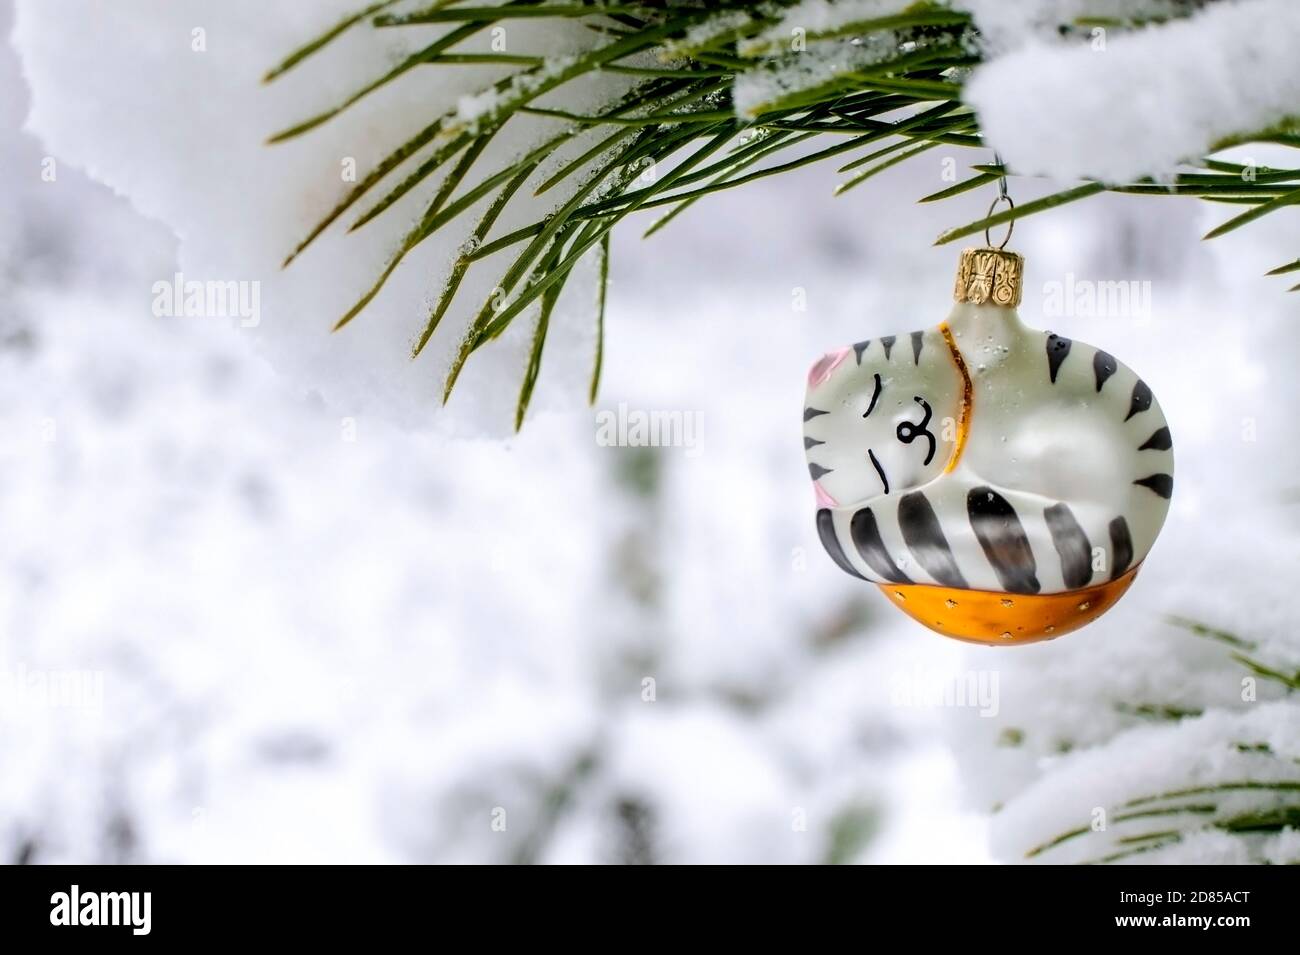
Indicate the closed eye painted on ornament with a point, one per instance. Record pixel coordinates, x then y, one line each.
1000 483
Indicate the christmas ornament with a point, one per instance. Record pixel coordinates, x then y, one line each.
999 483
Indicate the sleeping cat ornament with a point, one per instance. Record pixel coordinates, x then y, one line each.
1000 484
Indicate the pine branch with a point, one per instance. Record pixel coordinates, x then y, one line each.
1276 808
896 87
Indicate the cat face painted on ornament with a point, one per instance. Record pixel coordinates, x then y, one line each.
999 483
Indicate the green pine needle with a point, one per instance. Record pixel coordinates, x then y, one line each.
1283 269
602 286
1021 211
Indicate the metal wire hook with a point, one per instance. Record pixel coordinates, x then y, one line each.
1011 226
1002 197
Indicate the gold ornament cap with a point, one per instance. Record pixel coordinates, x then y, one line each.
989 276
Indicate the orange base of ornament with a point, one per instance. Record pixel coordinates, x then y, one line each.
998 619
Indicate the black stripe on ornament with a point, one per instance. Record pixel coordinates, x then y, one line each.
859 348
1057 348
1141 399
918 341
1103 366
866 538
888 343
925 539
1072 545
1121 547
826 531
1160 440
1162 484
1001 535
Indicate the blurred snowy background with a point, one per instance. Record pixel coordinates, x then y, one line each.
260 603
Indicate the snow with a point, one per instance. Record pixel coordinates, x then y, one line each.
312 633
788 62
760 88
1130 105
701 35
189 150
823 16
1148 762
1004 26
490 103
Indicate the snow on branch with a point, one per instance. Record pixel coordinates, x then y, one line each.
1128 105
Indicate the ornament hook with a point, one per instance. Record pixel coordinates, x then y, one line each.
1002 197
1011 226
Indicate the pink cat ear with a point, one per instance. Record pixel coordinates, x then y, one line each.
823 499
823 367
